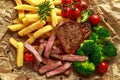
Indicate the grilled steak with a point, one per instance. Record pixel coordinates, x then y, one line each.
71 34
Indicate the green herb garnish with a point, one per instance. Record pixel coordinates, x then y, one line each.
44 10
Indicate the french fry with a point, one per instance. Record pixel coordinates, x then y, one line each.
13 42
35 17
26 7
20 51
53 14
31 39
31 2
58 11
60 18
21 13
42 31
32 17
39 1
57 2
17 21
16 27
31 28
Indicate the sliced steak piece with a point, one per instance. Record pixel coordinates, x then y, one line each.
36 66
49 67
69 57
71 34
42 46
67 72
49 45
56 50
59 70
33 51
47 61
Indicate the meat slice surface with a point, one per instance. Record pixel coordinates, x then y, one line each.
49 67
70 35
49 45
59 70
69 57
33 51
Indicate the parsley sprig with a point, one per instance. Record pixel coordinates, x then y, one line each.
44 10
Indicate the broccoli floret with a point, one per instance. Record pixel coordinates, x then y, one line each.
93 36
79 52
84 68
102 33
88 47
98 56
109 49
85 15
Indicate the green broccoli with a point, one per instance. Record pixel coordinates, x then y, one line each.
85 15
93 36
98 56
88 47
109 49
84 68
79 52
102 33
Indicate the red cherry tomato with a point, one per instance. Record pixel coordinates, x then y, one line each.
78 6
102 68
28 57
66 12
75 13
95 19
66 1
75 1
84 5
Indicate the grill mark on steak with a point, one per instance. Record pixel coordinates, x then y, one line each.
71 34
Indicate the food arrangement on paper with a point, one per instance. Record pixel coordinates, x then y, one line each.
59 40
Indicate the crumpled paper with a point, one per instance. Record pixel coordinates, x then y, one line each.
108 9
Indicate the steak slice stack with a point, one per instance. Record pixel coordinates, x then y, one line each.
71 34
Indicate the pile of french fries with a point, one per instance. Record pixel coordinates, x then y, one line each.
28 23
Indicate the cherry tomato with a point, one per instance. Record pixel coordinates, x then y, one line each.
95 19
28 57
102 68
84 5
75 1
66 12
78 6
75 13
66 1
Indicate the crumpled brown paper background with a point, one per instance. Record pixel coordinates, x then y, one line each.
109 10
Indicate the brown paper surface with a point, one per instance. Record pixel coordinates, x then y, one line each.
109 10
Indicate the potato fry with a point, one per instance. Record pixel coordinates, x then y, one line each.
32 28
60 18
58 11
42 31
16 27
53 14
13 42
57 2
32 17
17 21
31 39
26 7
20 52
21 13
31 2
